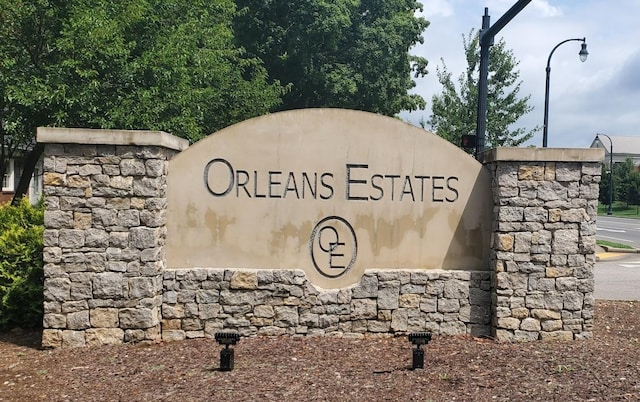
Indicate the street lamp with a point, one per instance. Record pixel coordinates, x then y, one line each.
583 57
609 210
487 33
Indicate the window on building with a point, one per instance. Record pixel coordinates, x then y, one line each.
8 178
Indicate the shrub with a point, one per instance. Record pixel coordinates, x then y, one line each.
21 265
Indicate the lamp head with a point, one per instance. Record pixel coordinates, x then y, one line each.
227 338
583 51
420 338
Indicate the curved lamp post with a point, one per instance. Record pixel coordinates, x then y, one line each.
609 210
583 57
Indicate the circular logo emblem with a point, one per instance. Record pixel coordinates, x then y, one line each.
333 246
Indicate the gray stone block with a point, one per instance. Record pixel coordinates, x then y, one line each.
368 287
363 309
108 285
456 289
138 318
57 289
448 305
78 320
399 320
388 298
286 316
55 321
143 237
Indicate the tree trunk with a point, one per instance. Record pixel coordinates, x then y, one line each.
29 166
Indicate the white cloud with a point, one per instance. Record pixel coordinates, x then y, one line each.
547 9
601 94
436 8
542 7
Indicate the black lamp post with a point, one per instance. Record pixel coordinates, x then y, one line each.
583 57
610 209
487 33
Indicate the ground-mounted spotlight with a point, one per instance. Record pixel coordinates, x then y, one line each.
226 354
419 339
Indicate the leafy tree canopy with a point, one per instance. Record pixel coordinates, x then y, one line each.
454 110
143 64
139 64
337 53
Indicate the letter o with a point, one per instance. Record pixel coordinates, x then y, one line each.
206 177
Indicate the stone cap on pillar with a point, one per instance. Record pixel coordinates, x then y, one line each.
515 154
60 135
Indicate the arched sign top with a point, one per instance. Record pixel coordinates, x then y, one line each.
382 126
332 192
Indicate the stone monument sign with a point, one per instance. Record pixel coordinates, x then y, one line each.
332 192
313 222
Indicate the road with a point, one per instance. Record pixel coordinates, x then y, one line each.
618 230
617 275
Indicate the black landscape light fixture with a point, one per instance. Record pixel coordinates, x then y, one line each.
610 209
419 339
583 57
226 354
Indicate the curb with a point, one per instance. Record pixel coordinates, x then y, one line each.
610 249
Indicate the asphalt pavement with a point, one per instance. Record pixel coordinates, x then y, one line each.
617 276
618 230
617 272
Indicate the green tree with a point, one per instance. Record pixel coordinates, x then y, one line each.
633 195
21 265
605 184
623 181
453 112
140 64
337 53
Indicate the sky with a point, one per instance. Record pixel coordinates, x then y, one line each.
601 95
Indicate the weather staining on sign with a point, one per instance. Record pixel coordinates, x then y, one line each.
331 192
333 246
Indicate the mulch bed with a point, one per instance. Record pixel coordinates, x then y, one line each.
605 368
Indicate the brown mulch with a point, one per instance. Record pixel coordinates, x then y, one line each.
605 368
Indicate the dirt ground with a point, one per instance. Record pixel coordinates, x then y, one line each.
605 368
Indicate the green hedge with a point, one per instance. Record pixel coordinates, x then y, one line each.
21 265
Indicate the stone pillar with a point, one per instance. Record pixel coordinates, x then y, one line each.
543 241
104 238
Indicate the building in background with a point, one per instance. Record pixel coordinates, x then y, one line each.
624 147
12 177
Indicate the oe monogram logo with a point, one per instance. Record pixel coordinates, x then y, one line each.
333 246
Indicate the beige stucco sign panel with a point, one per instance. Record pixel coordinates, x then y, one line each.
332 192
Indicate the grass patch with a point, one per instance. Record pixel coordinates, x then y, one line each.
620 210
612 244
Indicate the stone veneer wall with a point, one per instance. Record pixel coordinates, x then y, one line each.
106 282
199 302
104 236
543 252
